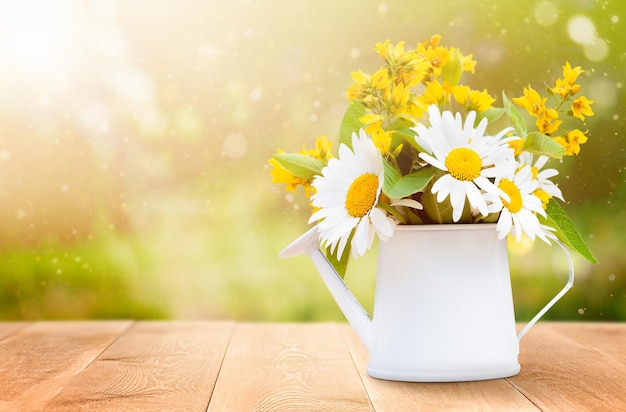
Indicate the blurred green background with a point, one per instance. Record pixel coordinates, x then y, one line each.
134 138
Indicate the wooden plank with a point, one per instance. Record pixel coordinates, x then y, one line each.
561 373
37 361
609 338
488 395
153 366
288 367
175 365
7 328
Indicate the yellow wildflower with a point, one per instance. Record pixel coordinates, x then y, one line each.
581 107
358 89
398 99
372 122
435 39
380 79
567 85
436 55
532 102
433 94
472 99
414 73
394 56
322 151
382 140
438 58
516 145
398 95
543 196
403 66
468 63
572 141
415 107
386 50
283 176
575 138
367 89
570 75
548 122
562 88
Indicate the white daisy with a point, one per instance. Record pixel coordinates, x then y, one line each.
542 176
346 196
469 157
518 215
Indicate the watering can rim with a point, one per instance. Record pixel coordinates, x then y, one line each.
447 226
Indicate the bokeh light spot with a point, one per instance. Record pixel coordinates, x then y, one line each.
256 94
581 30
234 146
604 94
597 50
546 13
188 122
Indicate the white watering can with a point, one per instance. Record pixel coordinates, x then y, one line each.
443 307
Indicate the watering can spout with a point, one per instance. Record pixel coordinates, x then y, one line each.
308 244
305 244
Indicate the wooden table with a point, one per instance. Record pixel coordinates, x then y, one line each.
228 366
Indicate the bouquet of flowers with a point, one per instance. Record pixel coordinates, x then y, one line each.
416 147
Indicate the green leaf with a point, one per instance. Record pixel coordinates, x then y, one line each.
515 117
401 124
405 135
350 123
340 265
491 115
566 231
402 132
391 176
398 186
437 212
441 212
541 144
300 165
453 69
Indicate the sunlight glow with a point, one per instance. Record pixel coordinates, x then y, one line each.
38 37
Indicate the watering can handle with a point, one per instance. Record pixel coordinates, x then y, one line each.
559 295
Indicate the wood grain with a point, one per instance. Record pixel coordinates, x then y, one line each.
37 361
153 366
561 373
227 366
489 395
605 337
288 367
7 328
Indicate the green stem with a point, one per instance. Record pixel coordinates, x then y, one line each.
392 211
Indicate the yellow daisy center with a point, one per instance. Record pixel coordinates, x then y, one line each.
362 195
508 187
463 164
